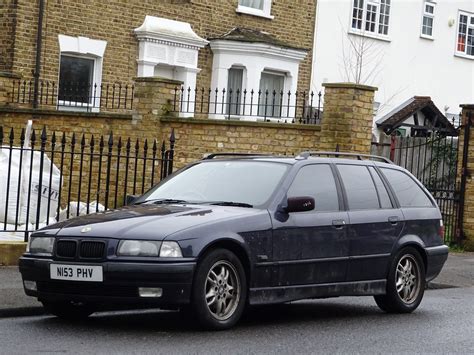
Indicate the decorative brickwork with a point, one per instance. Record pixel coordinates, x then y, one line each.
468 216
348 116
114 22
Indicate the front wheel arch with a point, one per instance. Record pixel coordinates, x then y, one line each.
234 247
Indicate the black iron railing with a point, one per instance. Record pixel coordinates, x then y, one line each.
83 96
47 178
287 107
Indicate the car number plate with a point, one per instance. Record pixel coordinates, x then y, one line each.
76 272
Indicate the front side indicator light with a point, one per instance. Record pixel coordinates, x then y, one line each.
150 292
170 250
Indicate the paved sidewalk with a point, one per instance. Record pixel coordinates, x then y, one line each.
457 272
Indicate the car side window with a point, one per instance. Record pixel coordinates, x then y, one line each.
359 187
408 192
316 181
381 190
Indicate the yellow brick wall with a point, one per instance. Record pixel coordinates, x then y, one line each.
468 217
114 21
7 30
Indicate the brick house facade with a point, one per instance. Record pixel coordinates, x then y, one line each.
112 24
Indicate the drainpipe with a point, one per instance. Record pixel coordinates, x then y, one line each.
39 42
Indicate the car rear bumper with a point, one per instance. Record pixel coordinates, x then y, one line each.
436 257
121 282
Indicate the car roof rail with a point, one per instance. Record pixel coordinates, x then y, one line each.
228 154
307 154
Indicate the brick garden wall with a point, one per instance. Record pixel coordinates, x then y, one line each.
114 21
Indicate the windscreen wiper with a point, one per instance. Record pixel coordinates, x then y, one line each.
160 201
230 203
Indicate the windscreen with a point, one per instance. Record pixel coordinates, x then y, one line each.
250 182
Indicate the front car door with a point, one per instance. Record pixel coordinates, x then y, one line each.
311 247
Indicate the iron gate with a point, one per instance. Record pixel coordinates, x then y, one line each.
434 160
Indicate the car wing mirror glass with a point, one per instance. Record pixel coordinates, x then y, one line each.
300 204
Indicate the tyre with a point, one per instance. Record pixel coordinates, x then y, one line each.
405 283
219 290
68 309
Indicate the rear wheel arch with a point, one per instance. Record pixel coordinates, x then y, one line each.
417 245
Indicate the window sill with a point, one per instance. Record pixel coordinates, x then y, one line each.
463 55
431 38
253 12
370 35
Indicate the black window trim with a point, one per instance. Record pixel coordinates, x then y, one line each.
343 188
384 183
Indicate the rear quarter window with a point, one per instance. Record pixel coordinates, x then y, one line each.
408 192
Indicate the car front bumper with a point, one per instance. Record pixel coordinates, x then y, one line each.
120 285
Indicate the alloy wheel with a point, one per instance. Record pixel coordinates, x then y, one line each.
408 280
222 290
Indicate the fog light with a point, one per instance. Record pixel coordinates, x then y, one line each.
30 285
150 291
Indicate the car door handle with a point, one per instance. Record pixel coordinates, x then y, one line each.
338 223
393 220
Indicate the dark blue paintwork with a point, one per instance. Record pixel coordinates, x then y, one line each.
286 256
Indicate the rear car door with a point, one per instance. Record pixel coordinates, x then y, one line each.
311 247
375 222
420 212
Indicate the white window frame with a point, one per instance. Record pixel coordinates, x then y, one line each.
261 102
82 47
426 14
94 100
366 33
266 12
469 25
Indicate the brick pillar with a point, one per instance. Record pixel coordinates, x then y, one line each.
154 97
348 117
468 208
6 86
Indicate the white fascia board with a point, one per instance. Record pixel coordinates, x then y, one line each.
225 46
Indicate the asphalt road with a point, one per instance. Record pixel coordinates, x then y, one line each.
444 323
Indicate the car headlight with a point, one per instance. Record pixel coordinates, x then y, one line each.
40 245
138 248
170 250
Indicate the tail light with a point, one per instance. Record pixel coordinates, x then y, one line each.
441 229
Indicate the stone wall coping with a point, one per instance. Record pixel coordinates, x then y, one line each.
157 79
4 74
191 120
40 112
350 86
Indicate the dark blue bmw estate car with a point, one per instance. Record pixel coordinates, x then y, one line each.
234 230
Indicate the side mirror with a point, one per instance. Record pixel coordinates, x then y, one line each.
300 204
